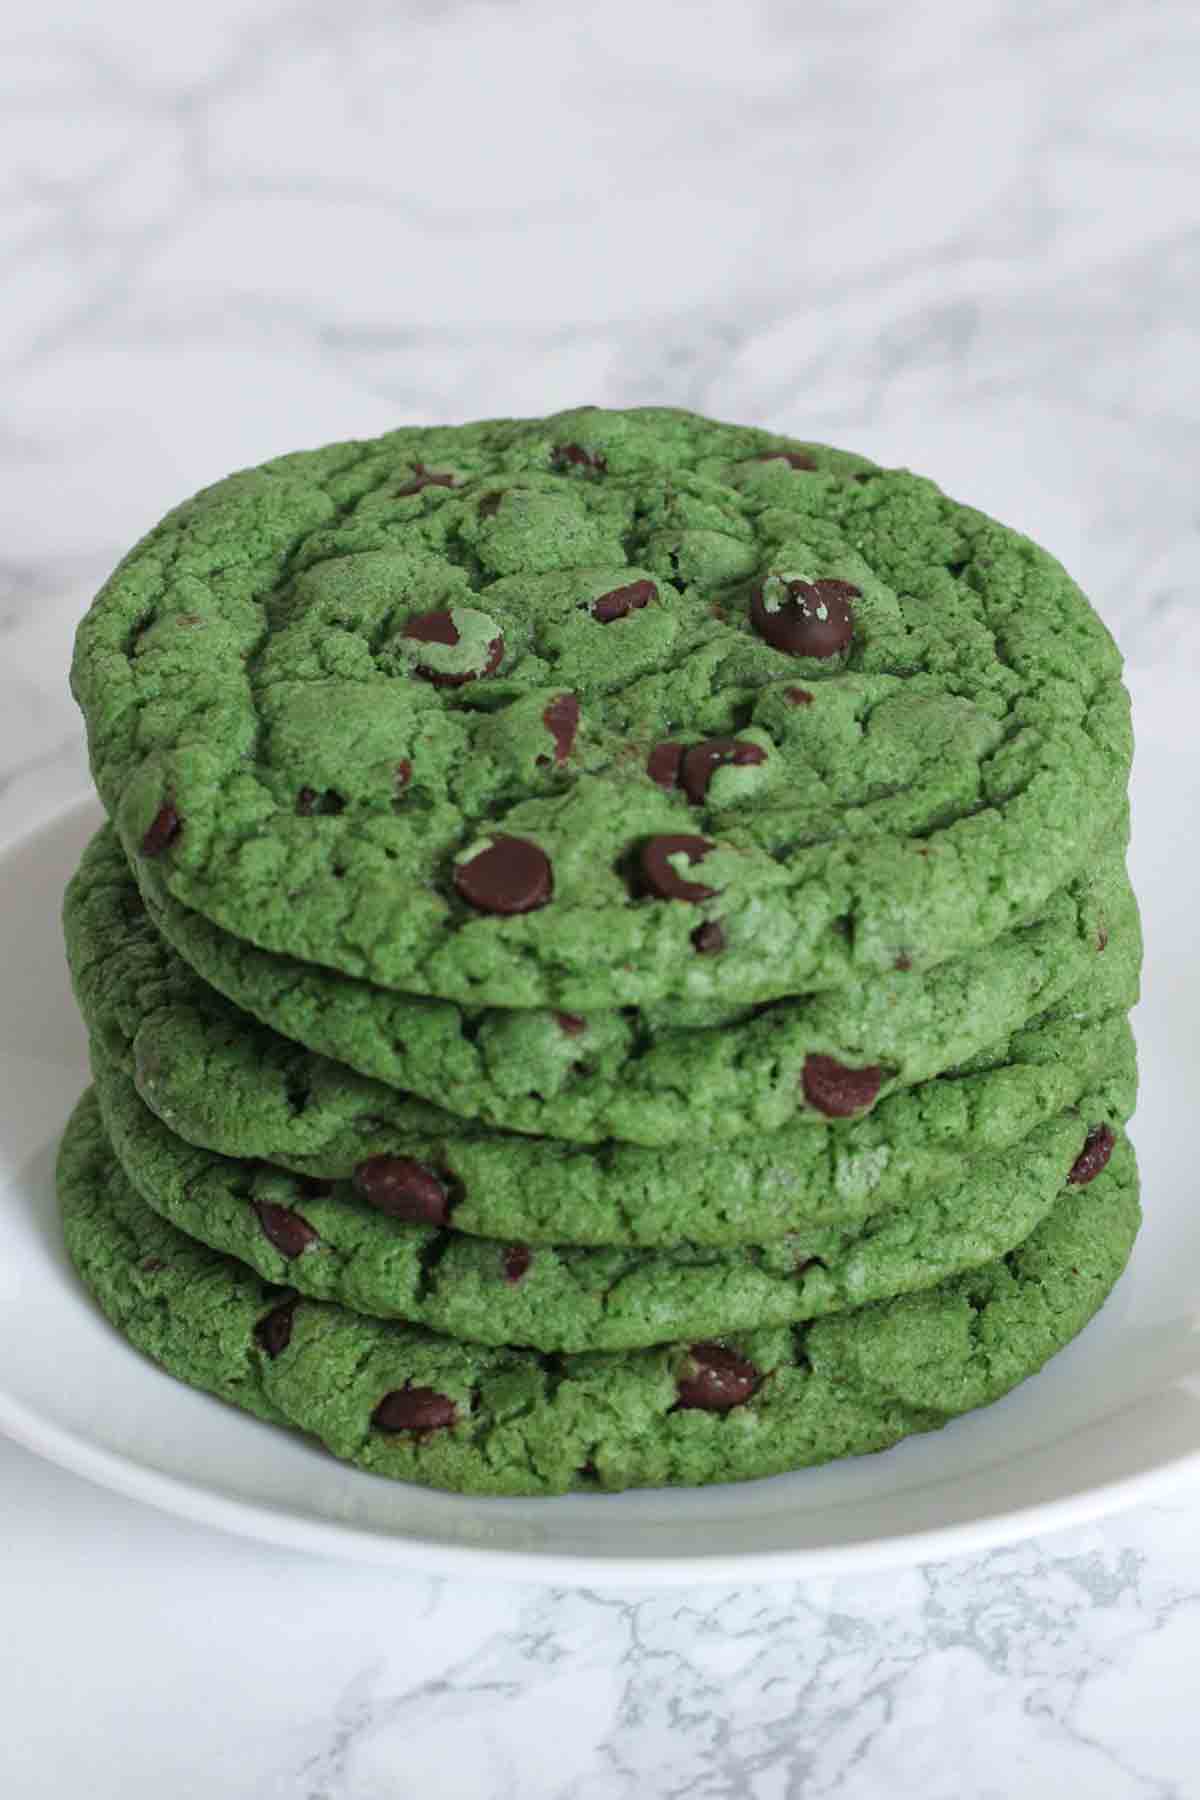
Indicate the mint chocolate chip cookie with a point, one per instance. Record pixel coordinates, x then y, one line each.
406 1403
606 709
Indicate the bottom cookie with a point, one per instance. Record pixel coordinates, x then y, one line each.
408 1404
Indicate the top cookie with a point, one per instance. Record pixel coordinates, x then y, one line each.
608 708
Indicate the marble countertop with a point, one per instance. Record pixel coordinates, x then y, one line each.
965 237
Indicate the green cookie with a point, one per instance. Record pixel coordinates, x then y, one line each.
603 709
345 1245
582 1078
405 1403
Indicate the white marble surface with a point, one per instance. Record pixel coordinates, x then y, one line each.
965 236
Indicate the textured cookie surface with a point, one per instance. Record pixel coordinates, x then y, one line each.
601 709
348 1245
408 1404
581 1077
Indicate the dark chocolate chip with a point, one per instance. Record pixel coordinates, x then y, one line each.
708 938
575 456
515 1261
423 478
290 1234
164 829
309 802
414 1409
1101 940
815 618
903 962
570 1024
661 879
717 1379
150 1265
561 719
702 760
404 1189
797 696
795 459
273 1333
663 763
838 1091
403 774
1097 1148
439 628
510 876
618 603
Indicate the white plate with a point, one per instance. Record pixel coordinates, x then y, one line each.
1109 1422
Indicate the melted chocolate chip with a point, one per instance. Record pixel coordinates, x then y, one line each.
661 879
717 1379
561 719
702 761
423 478
663 764
164 829
575 456
414 1409
1097 1148
273 1333
618 603
309 802
290 1234
510 876
795 459
515 1262
838 1091
439 628
708 938
814 619
403 1188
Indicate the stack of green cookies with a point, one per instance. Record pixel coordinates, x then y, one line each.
611 957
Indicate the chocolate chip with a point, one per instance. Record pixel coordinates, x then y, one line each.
708 938
150 1265
290 1234
164 829
797 696
516 1260
661 879
439 628
561 719
814 618
403 774
414 1409
618 603
1097 1148
510 876
574 456
273 1332
838 1091
1101 940
309 802
718 1379
570 1024
795 459
403 1188
903 962
423 478
702 761
662 764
